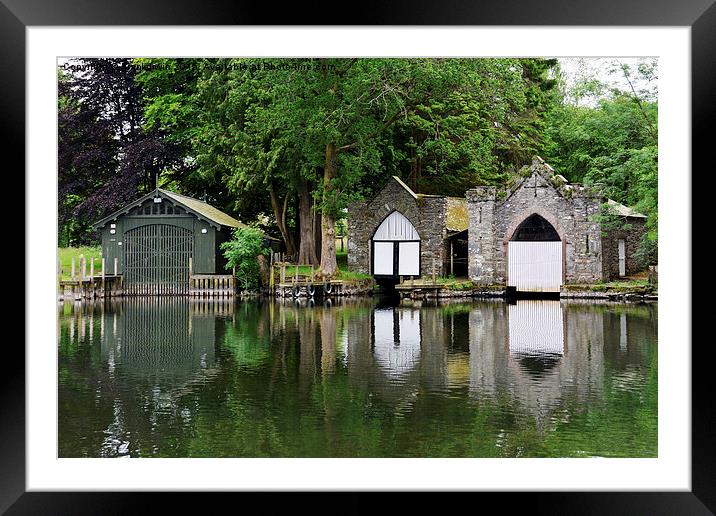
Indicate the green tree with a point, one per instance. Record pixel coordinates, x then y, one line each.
326 131
333 116
612 141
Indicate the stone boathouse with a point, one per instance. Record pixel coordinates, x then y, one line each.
400 233
543 232
537 234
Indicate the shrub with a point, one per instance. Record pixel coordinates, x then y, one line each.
242 252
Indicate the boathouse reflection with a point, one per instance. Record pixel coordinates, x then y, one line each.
540 353
157 349
161 358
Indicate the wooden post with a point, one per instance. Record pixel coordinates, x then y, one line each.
272 278
92 267
191 281
83 267
73 268
451 258
103 286
283 272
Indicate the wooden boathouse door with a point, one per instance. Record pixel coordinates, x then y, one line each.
396 248
535 257
157 259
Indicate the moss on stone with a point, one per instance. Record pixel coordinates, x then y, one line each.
456 214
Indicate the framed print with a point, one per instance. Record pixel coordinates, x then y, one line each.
587 407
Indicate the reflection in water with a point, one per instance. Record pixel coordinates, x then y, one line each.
396 339
160 336
536 328
179 377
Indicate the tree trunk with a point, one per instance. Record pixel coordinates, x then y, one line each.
307 249
317 231
279 212
329 267
264 269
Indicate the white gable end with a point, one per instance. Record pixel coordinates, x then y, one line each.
396 227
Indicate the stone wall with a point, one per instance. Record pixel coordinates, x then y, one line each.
494 216
482 265
632 235
426 213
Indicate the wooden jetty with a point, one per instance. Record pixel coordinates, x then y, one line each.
83 284
418 288
212 285
301 285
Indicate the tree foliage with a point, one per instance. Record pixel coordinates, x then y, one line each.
106 157
613 142
293 141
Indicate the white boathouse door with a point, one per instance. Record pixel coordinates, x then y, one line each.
534 257
396 247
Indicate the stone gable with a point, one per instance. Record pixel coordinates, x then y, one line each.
427 213
493 217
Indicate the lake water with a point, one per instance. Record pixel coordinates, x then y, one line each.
173 377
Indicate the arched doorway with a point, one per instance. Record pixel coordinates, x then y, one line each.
395 248
535 256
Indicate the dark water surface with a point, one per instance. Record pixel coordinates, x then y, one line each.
173 377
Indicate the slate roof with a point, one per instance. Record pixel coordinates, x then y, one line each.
198 208
204 209
456 208
624 211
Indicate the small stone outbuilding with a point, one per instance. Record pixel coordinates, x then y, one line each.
400 233
543 232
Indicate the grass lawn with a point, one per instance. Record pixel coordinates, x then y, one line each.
449 282
629 284
343 272
65 254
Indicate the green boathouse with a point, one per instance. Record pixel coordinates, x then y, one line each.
158 241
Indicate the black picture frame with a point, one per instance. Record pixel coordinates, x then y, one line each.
17 15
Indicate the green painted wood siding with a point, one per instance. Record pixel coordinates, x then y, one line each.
204 249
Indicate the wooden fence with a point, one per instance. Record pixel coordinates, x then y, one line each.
212 285
84 284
